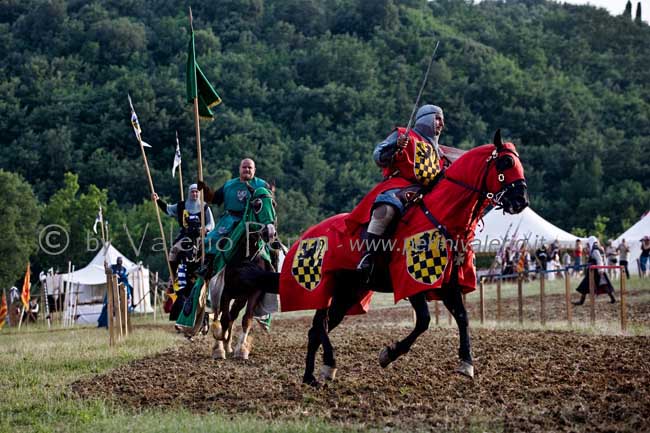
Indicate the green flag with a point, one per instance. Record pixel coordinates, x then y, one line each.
198 86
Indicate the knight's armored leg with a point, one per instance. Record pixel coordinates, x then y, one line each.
381 218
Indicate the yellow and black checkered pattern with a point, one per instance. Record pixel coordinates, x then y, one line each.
426 165
307 266
426 256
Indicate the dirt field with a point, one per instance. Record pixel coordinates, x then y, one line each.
525 380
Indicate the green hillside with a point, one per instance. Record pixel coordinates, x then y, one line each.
309 87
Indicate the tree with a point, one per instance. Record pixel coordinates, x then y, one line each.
70 215
637 17
628 10
19 215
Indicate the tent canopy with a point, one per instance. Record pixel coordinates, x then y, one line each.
499 227
94 272
633 235
89 283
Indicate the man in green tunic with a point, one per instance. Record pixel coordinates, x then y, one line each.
233 195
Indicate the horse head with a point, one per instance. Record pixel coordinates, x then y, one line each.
505 182
260 214
495 172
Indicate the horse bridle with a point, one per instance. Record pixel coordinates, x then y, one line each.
495 199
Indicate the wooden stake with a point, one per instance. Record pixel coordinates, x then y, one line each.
520 299
482 301
124 306
623 295
542 301
592 296
118 306
110 309
499 301
155 294
567 297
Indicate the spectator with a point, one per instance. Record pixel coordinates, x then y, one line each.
542 259
577 255
612 257
645 254
624 253
508 266
601 281
566 260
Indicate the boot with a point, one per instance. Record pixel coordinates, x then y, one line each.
368 260
581 301
612 299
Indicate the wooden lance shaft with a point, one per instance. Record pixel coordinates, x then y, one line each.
155 205
180 181
200 175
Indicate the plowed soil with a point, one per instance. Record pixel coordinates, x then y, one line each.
527 381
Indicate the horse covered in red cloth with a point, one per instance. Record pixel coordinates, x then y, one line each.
429 255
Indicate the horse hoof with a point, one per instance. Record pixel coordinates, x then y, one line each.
466 369
311 381
218 354
327 373
229 349
385 357
242 354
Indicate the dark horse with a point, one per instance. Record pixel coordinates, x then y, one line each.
238 271
430 259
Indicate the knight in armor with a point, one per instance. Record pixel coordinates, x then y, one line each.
188 215
408 162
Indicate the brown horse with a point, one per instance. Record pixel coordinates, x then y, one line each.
238 282
430 259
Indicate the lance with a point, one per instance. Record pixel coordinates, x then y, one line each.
417 100
136 127
424 82
197 127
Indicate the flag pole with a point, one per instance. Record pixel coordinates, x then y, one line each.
155 205
180 167
197 127
101 223
180 181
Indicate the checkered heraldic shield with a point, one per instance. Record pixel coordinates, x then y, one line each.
307 266
425 164
426 256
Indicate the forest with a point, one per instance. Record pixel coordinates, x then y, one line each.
308 87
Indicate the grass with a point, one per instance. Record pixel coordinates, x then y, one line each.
37 366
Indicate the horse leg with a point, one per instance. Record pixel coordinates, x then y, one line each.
454 302
335 315
422 318
242 350
344 298
234 313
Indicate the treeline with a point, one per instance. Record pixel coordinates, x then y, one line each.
309 86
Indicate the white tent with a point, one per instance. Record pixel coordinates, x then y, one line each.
498 228
88 284
632 236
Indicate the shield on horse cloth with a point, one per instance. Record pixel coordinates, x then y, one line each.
307 266
426 256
